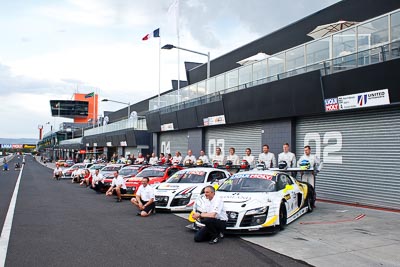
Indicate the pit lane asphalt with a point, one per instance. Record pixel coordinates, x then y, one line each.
57 223
7 184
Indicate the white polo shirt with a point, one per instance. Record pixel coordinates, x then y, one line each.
289 157
97 178
218 158
153 160
57 170
204 159
118 181
313 159
177 159
250 159
145 193
268 159
192 159
234 158
216 205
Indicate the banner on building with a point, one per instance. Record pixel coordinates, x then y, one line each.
360 100
167 127
214 120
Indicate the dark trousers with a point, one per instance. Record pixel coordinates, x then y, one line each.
98 187
211 229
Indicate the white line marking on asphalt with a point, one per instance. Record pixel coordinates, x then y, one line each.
5 233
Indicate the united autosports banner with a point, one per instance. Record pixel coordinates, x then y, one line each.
360 100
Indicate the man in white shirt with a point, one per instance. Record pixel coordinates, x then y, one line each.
97 181
287 156
177 159
309 177
118 185
190 159
218 157
213 215
248 157
140 159
204 157
57 173
267 157
144 199
153 160
232 156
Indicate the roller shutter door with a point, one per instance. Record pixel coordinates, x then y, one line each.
238 136
171 142
361 155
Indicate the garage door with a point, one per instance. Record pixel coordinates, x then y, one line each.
238 136
174 141
361 155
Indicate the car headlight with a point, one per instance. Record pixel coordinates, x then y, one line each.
183 195
261 210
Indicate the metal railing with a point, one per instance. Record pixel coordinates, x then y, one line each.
362 58
131 123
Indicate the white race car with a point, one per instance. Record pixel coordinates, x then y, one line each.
180 191
261 200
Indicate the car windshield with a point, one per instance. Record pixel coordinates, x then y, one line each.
248 185
188 177
151 173
111 168
126 172
96 167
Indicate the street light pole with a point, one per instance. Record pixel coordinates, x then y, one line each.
170 46
119 102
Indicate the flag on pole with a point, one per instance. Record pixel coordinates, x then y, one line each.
89 95
154 34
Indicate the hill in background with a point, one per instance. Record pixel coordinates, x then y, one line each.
18 141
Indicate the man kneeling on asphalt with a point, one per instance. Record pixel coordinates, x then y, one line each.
144 198
213 216
118 184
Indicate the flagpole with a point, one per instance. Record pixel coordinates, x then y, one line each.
159 72
177 34
94 108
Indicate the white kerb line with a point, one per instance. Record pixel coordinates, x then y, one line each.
5 233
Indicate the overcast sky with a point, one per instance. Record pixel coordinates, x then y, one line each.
49 49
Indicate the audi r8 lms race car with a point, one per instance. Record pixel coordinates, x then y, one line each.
261 200
180 191
108 170
156 175
69 172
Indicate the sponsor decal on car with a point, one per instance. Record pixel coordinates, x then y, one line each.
254 175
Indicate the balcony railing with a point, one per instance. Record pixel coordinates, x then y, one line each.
372 41
131 123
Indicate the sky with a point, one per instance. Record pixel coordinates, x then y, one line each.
50 49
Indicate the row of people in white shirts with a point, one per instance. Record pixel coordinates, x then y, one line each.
267 157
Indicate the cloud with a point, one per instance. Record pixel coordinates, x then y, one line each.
10 82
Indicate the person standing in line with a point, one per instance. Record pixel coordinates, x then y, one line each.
162 158
218 157
190 159
248 157
267 157
153 160
204 157
314 161
287 156
232 156
177 159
